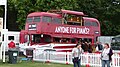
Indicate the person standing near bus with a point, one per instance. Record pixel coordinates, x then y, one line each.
76 54
87 47
106 55
98 46
90 49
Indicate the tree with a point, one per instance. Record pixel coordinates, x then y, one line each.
106 11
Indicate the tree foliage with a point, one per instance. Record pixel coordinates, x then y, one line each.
106 11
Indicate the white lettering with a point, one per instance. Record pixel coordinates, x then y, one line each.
87 30
72 30
62 29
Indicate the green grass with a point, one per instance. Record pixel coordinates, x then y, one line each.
34 64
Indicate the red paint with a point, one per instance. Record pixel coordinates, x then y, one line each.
11 45
61 30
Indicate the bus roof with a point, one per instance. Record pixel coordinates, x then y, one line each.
43 14
73 12
88 18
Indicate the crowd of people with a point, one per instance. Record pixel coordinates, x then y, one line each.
87 47
81 47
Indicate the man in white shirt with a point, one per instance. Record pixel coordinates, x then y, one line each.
77 50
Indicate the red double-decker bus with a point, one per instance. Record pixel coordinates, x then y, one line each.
62 29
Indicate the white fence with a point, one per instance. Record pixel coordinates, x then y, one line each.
92 59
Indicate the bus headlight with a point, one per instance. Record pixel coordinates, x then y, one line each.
96 32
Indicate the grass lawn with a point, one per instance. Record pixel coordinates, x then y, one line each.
33 64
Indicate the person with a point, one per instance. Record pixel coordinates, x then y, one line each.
87 47
106 55
98 46
76 52
11 45
90 47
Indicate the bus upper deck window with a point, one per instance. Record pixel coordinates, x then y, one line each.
46 19
94 24
29 19
87 23
36 19
57 20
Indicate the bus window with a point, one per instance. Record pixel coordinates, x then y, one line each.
73 40
46 19
56 20
66 40
27 38
74 23
36 19
10 37
87 24
36 38
91 24
29 19
47 38
94 24
74 20
57 40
